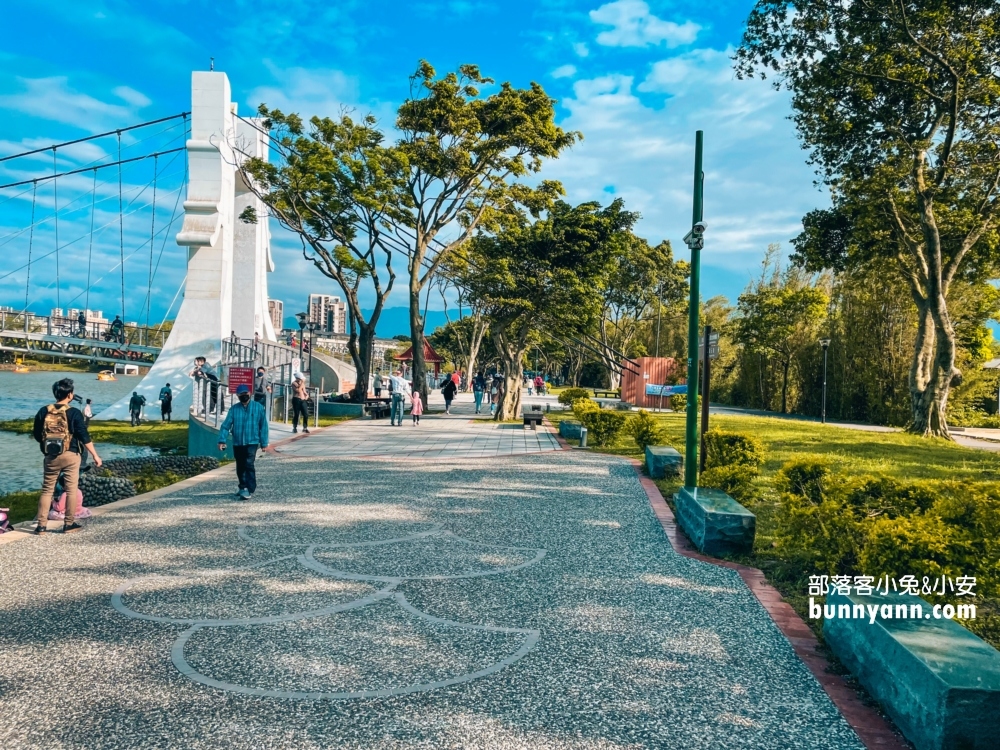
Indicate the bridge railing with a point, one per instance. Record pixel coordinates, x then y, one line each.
62 325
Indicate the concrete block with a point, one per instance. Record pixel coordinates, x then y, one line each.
569 429
203 440
714 522
938 681
663 461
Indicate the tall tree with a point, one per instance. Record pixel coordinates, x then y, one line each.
333 186
778 315
639 277
541 277
462 151
897 100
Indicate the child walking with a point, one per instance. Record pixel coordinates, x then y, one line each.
418 407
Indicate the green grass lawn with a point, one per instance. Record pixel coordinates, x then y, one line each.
168 437
851 452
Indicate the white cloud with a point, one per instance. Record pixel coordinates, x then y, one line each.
581 49
632 25
133 97
640 140
564 71
53 99
318 91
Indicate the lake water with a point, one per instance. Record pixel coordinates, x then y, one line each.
23 394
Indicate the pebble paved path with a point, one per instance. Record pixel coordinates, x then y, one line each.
525 601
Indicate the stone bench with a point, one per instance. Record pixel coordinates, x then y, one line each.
663 461
714 522
341 409
938 681
569 429
532 414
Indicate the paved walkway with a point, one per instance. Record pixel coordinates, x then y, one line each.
527 601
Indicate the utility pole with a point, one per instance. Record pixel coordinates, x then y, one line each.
695 243
825 343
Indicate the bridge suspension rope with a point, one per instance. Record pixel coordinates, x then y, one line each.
90 246
31 242
152 236
55 215
121 224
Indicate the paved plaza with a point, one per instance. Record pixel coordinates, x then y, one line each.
380 600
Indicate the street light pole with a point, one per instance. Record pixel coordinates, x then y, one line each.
694 242
825 343
302 328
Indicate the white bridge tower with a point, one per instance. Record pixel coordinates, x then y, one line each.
225 288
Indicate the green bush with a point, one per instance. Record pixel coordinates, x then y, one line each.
724 448
645 430
737 481
604 426
805 477
583 406
819 537
875 497
570 395
680 402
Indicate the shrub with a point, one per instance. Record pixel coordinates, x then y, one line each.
732 448
645 430
821 537
737 481
875 497
583 406
806 478
917 545
604 426
570 395
679 402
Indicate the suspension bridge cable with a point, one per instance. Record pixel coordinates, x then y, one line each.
31 240
93 162
7 239
94 137
121 223
55 214
138 249
99 166
173 213
152 235
90 249
73 242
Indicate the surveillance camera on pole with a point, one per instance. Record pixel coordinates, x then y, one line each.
695 239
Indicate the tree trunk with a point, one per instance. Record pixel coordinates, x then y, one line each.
784 386
933 372
417 342
475 341
511 356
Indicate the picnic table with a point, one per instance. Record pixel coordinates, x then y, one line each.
606 394
377 407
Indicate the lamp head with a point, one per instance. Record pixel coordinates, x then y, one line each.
302 319
824 343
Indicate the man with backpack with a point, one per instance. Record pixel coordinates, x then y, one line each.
135 405
62 436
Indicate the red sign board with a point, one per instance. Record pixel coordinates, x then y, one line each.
240 376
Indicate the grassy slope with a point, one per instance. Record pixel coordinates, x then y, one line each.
853 452
165 436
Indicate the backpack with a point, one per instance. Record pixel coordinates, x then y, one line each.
55 430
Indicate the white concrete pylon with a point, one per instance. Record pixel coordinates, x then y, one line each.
228 260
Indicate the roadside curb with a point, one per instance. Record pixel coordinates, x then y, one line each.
873 731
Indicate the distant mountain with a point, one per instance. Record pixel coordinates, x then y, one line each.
394 321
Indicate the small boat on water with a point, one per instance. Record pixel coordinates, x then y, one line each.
106 375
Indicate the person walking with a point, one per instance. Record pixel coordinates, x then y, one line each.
448 392
81 319
135 405
377 384
61 433
397 398
478 388
248 424
418 407
261 387
299 397
539 386
166 403
494 392
88 413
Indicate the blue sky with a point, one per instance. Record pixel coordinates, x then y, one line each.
636 78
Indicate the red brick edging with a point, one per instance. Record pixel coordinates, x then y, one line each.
872 729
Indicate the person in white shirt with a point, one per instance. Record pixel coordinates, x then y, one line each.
398 389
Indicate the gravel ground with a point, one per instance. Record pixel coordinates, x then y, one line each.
528 602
